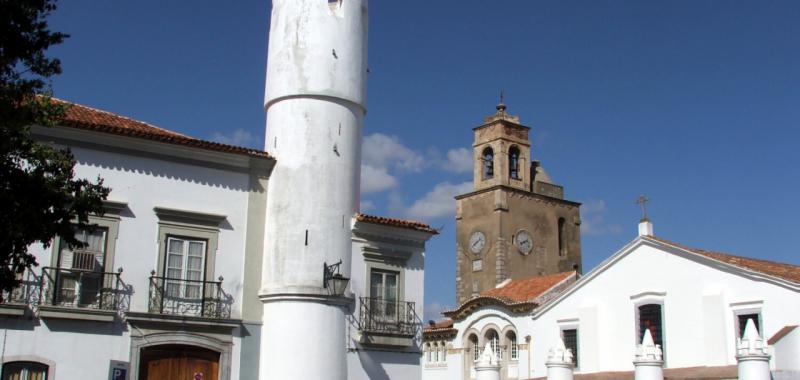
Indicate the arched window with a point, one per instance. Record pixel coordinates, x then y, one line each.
494 341
473 344
488 163
428 352
24 371
513 348
513 163
562 239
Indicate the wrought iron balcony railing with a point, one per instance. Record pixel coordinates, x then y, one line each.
28 291
80 288
381 316
192 298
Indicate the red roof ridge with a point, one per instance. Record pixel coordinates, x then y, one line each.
521 294
395 222
780 334
109 113
789 272
528 289
92 119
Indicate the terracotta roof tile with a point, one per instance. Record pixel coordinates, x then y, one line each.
780 334
87 118
527 289
443 324
517 295
784 271
409 224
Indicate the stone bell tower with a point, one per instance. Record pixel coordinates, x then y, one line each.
516 223
315 103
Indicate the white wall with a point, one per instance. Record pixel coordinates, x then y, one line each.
83 349
366 362
699 299
145 183
459 360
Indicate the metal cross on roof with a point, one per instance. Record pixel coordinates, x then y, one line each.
642 202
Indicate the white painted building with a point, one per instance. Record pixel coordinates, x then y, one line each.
694 301
219 262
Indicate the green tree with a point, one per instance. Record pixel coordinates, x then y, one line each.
40 198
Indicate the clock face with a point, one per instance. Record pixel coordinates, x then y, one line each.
524 242
477 241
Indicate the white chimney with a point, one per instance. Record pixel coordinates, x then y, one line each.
645 227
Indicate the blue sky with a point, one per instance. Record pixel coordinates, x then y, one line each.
694 103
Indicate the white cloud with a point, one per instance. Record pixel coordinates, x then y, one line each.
433 311
593 223
383 151
376 179
238 137
366 205
438 202
458 161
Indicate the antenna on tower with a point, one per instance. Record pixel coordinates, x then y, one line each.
501 107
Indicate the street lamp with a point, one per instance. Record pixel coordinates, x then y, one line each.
334 281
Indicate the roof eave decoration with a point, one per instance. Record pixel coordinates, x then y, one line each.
435 334
470 306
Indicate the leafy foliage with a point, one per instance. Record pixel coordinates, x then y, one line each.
40 198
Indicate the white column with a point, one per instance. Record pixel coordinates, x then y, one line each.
488 367
315 100
752 354
649 360
559 362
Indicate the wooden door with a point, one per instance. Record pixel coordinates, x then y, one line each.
179 363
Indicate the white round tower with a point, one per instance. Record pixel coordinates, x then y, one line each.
315 104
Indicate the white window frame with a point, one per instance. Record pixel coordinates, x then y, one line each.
572 324
744 308
182 282
513 346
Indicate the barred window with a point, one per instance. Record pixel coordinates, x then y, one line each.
570 338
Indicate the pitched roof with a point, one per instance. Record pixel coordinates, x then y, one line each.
87 118
409 224
780 334
517 295
527 289
439 330
784 271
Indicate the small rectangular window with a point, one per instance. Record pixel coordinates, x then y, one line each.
650 319
570 338
477 265
741 321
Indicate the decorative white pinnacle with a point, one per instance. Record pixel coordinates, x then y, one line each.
488 358
751 343
559 353
648 350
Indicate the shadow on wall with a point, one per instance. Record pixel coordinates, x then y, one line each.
374 362
181 171
87 327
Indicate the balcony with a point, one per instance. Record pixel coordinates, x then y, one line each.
189 298
82 293
18 300
387 322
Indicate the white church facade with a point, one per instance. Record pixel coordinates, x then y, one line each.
694 302
217 262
